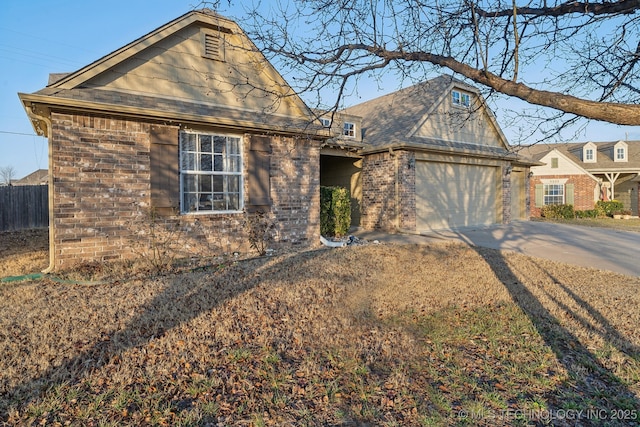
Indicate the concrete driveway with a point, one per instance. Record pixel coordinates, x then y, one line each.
600 248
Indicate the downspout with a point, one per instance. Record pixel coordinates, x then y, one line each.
397 187
42 125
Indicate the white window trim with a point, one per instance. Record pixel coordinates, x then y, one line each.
349 132
594 151
588 151
620 145
240 174
544 195
325 122
460 99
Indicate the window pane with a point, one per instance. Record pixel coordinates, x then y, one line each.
188 142
189 202
205 184
233 202
218 164
234 145
219 143
189 183
233 184
206 162
205 143
218 184
188 161
234 164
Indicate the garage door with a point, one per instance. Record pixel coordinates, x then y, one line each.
450 195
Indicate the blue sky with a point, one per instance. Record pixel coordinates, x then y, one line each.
41 37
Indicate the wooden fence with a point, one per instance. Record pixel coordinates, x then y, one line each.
23 207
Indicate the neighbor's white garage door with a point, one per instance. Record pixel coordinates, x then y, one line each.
450 195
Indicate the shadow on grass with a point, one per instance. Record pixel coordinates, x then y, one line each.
178 303
592 388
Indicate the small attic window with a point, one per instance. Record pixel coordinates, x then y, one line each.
212 45
460 99
325 122
589 153
620 152
349 130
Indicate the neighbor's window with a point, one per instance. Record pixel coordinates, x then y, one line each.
349 129
620 153
210 172
553 194
588 154
325 122
460 98
554 162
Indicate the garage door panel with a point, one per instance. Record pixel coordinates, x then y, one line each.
450 195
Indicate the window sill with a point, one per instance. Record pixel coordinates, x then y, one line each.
200 213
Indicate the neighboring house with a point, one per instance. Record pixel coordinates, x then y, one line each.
39 177
582 173
427 157
188 125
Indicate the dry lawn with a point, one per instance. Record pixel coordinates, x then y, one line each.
23 252
373 335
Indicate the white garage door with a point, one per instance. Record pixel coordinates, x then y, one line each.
450 195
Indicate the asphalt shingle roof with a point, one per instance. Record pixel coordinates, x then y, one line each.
573 150
388 119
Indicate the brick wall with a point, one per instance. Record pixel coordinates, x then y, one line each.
379 191
101 194
584 188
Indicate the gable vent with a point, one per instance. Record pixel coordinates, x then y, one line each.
212 46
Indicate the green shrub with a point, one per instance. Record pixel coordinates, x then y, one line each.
558 212
590 213
608 208
335 211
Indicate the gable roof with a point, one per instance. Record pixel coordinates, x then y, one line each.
38 177
393 120
163 75
604 159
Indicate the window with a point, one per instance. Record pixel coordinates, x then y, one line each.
554 163
325 122
210 172
620 151
460 98
590 153
349 129
553 194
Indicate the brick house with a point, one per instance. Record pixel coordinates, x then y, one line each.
188 125
582 173
427 157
